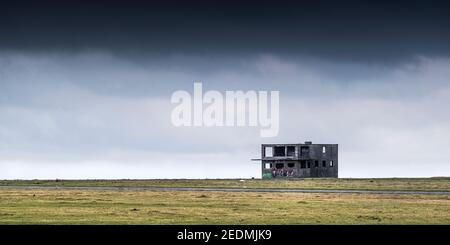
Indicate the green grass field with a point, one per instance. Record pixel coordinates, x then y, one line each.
50 206
422 184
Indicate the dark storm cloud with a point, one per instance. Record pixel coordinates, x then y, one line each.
361 31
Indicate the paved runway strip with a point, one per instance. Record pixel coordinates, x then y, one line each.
283 190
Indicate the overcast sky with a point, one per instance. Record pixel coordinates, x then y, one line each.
85 87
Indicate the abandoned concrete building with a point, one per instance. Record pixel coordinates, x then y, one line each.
306 160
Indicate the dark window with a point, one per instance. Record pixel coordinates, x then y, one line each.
302 164
316 163
279 165
291 151
324 164
304 150
291 165
279 151
309 164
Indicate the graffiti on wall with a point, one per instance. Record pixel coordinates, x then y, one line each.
284 172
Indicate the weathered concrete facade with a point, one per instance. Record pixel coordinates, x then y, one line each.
299 160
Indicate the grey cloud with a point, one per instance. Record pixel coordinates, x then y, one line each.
102 116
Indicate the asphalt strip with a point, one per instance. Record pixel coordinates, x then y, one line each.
282 190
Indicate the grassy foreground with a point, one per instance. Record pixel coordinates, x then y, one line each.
39 206
422 184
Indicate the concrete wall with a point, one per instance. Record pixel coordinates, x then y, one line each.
315 163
